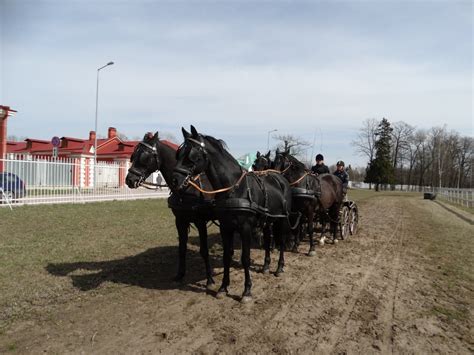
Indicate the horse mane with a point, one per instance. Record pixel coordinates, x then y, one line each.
295 161
220 145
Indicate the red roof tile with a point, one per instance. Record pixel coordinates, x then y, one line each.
112 147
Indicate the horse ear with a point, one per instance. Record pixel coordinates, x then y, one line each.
194 131
268 154
258 154
156 136
186 134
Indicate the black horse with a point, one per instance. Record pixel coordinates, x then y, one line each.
262 162
243 200
315 197
188 206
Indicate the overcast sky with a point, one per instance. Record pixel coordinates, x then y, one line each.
237 69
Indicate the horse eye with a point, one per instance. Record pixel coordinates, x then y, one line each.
194 156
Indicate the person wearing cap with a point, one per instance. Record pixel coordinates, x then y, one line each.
343 175
320 167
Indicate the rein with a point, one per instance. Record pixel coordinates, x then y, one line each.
147 185
197 187
263 172
301 178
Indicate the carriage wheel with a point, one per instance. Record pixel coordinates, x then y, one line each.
353 220
344 223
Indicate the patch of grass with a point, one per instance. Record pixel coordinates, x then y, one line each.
33 237
11 347
451 314
464 208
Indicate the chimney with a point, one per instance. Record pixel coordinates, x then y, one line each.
112 132
92 135
5 112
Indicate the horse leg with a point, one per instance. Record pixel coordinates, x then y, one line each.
323 222
282 237
334 216
297 235
272 238
182 226
246 235
312 248
267 236
226 234
204 251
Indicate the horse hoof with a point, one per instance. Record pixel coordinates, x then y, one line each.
312 253
246 299
266 271
334 241
321 242
279 272
210 286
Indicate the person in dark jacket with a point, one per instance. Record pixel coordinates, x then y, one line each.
320 167
343 175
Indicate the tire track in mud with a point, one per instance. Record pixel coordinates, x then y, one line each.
339 330
305 284
389 318
278 314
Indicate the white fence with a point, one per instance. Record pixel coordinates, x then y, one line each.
463 197
30 180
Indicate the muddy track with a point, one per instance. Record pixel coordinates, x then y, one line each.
352 297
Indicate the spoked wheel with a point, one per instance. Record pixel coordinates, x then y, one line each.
353 220
344 223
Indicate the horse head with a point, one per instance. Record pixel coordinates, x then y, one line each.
262 162
282 160
192 158
145 160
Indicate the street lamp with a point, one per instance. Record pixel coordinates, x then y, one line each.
268 138
96 110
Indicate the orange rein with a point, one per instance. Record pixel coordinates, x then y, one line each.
263 172
197 187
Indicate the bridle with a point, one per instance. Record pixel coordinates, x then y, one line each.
264 158
191 176
190 173
141 177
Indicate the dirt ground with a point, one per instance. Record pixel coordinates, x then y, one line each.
402 285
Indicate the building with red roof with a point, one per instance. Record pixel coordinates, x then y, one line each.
109 149
81 151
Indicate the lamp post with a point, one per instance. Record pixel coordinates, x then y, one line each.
268 138
95 129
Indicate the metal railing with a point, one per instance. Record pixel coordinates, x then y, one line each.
29 180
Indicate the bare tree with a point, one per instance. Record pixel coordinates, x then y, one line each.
295 145
365 140
401 135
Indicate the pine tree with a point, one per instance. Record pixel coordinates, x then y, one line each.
380 170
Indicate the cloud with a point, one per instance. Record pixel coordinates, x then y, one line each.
237 69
